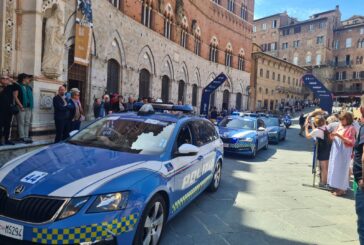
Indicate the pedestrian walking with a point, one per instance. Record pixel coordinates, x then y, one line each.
321 134
358 176
23 95
7 109
302 121
105 106
341 152
76 111
61 115
97 108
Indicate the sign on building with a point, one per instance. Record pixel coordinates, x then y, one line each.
83 32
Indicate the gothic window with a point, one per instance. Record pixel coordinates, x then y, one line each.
225 99
144 83
113 76
244 11
197 49
267 74
181 91
261 72
241 63
231 5
213 53
194 95
167 27
165 89
146 14
184 36
238 101
228 58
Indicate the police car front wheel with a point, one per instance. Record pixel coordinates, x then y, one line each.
151 225
215 183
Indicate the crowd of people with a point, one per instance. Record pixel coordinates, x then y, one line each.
340 146
16 99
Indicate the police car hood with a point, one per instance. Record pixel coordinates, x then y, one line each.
236 133
273 128
65 170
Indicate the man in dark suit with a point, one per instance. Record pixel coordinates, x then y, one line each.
61 115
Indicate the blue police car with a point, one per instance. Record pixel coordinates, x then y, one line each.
118 181
244 135
276 129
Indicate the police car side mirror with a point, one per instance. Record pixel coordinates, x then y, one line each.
73 133
187 150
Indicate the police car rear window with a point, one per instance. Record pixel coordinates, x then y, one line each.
148 137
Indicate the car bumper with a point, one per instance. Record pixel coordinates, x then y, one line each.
244 148
101 228
273 137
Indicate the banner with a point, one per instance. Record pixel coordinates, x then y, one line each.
83 32
320 92
205 100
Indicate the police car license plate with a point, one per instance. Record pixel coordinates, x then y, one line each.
226 145
11 230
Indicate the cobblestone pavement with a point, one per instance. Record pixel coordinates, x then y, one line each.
264 201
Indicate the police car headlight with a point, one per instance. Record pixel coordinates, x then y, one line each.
73 206
246 140
109 202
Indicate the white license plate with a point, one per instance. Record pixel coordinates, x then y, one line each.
11 230
226 145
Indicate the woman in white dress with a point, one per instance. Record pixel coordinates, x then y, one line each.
343 139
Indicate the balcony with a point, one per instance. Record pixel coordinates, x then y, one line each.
342 64
353 90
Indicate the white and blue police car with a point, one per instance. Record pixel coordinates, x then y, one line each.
118 181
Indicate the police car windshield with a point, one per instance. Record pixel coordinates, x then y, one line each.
237 123
147 137
271 121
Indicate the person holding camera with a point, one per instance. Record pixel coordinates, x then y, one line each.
343 140
321 134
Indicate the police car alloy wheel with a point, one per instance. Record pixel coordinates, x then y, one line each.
152 223
215 183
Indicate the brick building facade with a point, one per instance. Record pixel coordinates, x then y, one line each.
326 46
168 49
275 82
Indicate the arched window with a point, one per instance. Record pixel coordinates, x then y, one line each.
214 54
194 95
225 99
308 58
144 83
238 101
266 91
231 5
147 13
165 89
228 58
261 72
181 91
113 76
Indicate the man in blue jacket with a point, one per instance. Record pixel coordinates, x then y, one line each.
61 115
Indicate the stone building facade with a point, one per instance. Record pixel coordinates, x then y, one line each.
168 49
326 46
275 82
348 55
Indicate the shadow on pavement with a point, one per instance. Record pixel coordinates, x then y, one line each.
218 218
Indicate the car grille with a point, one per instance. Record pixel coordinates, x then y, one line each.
30 209
229 140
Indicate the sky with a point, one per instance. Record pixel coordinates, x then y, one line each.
303 9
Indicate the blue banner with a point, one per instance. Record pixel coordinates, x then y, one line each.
320 92
205 100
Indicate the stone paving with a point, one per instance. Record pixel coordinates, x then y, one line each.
264 201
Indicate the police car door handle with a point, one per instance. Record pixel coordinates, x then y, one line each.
200 158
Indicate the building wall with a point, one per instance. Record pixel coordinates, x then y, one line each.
349 84
277 82
119 35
